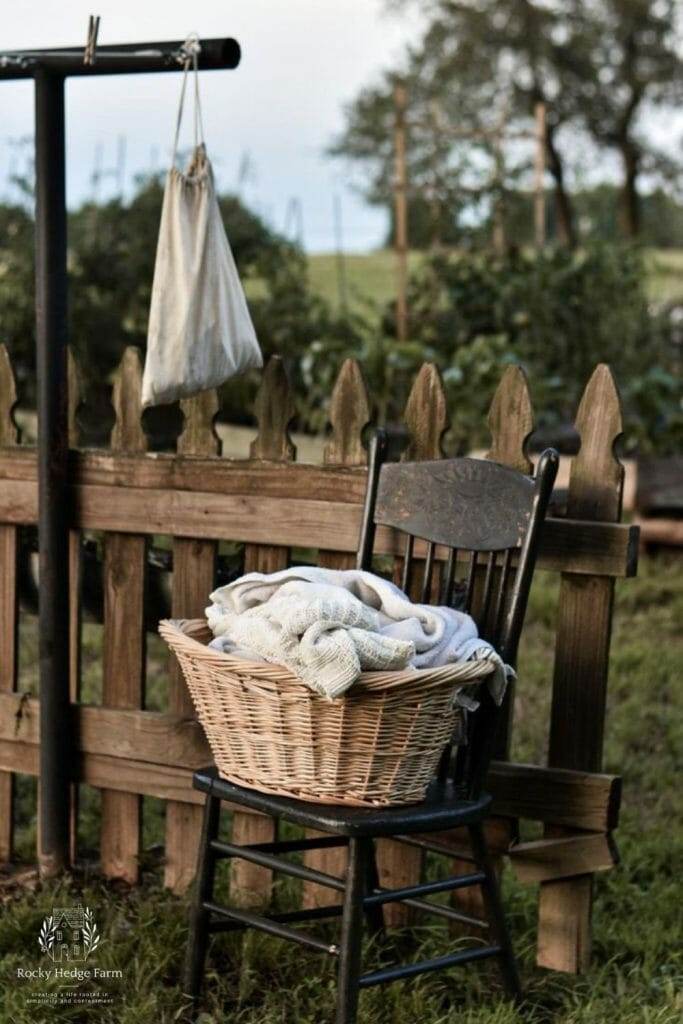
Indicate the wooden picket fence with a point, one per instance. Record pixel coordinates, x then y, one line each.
272 504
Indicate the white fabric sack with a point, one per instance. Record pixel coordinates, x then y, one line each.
200 332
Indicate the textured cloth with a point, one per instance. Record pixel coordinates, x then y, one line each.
329 625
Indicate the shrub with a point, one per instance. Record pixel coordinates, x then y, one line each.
558 313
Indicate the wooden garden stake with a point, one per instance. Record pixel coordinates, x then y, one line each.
539 174
401 212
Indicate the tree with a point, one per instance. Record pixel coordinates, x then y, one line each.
625 62
475 62
598 65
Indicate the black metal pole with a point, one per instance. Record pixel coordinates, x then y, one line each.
56 749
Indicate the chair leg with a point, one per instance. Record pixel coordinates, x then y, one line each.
352 932
496 914
198 937
374 915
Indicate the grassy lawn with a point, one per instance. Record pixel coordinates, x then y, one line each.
370 278
637 974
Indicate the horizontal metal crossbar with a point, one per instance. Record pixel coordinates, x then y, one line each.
312 914
285 845
422 966
272 927
426 889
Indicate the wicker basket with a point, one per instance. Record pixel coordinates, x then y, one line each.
379 744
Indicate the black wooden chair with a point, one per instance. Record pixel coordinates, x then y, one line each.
494 514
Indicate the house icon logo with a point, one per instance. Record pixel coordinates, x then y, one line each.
69 934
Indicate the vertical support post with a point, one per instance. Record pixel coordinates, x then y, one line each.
539 173
401 212
9 603
53 527
499 233
577 715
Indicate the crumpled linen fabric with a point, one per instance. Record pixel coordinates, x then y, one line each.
329 625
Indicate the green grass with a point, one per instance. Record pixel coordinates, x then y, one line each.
371 277
637 972
665 275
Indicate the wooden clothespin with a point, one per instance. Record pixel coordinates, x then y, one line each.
91 41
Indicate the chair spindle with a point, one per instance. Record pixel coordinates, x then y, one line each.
407 574
426 592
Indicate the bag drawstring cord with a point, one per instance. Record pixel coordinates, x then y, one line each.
191 49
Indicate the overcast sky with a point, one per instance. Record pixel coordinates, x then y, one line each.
301 61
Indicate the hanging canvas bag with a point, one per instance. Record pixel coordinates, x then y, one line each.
200 332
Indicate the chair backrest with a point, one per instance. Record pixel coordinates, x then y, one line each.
463 513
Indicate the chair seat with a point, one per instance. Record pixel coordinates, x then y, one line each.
441 809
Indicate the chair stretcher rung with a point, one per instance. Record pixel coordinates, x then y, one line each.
408 970
284 846
395 895
434 847
447 912
312 914
267 860
272 927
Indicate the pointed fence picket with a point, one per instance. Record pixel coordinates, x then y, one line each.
123 654
275 410
271 505
577 717
194 573
349 413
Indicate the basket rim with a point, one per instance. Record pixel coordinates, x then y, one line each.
176 631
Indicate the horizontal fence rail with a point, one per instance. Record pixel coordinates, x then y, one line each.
270 504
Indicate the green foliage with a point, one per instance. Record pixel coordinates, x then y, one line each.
111 256
558 313
17 285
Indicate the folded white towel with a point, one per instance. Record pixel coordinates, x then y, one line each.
329 625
